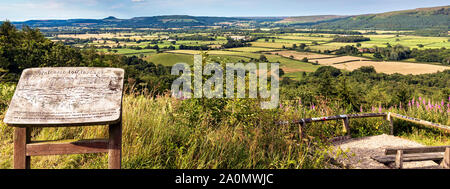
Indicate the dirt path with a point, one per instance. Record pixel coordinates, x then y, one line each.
361 149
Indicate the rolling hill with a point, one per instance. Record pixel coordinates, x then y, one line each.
421 18
168 21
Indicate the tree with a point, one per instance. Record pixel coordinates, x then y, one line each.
347 94
365 69
402 95
302 46
305 59
263 58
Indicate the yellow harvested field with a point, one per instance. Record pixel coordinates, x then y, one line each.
394 67
334 60
300 55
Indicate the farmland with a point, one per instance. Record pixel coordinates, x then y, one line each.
296 52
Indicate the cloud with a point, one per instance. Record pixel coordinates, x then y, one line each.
136 1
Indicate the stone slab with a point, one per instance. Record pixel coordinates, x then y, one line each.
66 96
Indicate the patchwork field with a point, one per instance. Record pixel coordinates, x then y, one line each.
276 47
287 64
382 41
352 62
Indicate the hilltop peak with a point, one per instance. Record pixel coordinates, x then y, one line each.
110 18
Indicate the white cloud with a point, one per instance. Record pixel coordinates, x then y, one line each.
135 1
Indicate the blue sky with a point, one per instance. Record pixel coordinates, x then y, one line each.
19 10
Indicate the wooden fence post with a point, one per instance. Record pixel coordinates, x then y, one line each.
346 126
399 159
446 160
22 136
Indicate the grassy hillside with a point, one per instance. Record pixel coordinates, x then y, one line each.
422 18
308 19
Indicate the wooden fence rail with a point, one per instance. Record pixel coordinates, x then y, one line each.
345 117
422 122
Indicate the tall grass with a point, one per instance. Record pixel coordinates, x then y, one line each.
165 132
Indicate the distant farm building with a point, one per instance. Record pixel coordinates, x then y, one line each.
238 37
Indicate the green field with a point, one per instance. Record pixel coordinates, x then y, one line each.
169 59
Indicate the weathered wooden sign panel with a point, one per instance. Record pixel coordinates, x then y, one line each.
67 96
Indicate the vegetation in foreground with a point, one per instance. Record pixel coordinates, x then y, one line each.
168 133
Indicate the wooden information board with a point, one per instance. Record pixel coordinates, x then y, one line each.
66 96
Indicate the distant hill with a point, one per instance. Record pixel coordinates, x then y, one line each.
421 18
169 21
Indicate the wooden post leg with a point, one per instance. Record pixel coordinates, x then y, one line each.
346 126
21 138
115 146
446 161
399 159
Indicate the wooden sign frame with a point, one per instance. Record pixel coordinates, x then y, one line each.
24 148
